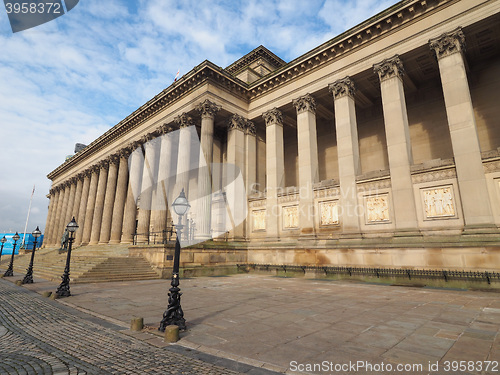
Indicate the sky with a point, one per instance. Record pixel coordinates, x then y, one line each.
70 80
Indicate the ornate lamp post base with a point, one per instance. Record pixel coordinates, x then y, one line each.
63 288
9 272
28 278
174 314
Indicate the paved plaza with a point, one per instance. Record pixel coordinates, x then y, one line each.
262 322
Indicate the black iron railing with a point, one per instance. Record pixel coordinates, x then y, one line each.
446 275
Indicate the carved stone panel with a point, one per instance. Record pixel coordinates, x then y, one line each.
438 202
329 213
290 215
377 209
259 220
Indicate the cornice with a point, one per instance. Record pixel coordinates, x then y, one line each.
334 49
199 75
368 31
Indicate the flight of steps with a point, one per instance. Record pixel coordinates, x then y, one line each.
88 264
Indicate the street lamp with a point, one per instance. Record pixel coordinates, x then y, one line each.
174 314
28 278
3 241
10 270
63 289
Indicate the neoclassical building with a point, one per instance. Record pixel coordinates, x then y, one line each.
378 148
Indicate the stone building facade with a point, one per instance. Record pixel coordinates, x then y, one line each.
378 148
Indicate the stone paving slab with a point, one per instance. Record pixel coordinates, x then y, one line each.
282 323
40 336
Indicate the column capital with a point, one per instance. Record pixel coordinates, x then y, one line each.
114 158
80 176
236 122
273 117
165 128
184 120
250 127
448 43
342 87
389 68
147 137
305 103
125 151
208 109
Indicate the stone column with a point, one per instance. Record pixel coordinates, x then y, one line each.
308 161
64 209
78 197
57 215
120 197
83 207
348 152
390 72
183 161
99 202
135 162
208 110
50 217
109 200
275 169
236 156
250 157
89 212
148 185
166 177
476 204
71 201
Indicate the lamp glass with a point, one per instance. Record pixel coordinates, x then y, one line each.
36 233
16 237
181 204
72 226
3 240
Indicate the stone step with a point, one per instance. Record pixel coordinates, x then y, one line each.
96 263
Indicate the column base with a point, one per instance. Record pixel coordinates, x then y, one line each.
114 242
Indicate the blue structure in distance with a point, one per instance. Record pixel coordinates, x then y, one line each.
28 242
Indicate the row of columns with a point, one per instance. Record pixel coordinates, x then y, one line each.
471 179
104 198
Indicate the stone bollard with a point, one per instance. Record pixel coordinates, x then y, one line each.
46 294
53 296
172 333
19 282
137 324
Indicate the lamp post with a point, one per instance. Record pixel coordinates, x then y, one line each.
174 315
10 270
63 289
28 278
3 241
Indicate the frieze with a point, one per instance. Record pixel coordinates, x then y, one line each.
208 109
438 175
305 103
259 220
288 198
374 185
448 43
389 68
257 203
438 202
290 217
273 117
492 166
329 214
325 193
377 209
342 87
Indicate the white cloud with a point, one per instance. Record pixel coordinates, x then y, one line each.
71 79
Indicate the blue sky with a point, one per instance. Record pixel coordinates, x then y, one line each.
71 79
